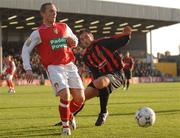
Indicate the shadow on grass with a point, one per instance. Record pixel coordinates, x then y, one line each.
50 130
92 115
37 131
118 103
168 111
54 106
27 107
30 131
50 134
132 113
26 118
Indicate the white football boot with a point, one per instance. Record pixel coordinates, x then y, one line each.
72 123
66 131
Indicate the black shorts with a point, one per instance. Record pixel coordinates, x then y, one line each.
116 80
127 73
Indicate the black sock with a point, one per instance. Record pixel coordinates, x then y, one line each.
127 84
103 96
75 113
123 81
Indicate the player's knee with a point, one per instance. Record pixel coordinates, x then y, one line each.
78 102
101 82
79 99
79 96
64 94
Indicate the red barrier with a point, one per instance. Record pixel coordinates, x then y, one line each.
86 81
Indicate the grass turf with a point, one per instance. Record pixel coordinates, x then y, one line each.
32 111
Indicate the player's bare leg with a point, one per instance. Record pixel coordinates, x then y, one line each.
102 85
10 86
125 85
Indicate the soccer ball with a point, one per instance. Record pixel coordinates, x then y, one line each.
145 117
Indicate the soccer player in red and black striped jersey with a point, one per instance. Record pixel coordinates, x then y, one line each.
104 60
128 67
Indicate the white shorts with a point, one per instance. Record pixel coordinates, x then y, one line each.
64 76
9 77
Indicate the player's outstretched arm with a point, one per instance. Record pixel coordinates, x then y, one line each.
116 41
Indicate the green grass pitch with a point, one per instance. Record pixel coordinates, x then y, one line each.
32 111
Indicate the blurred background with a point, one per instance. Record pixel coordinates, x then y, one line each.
155 44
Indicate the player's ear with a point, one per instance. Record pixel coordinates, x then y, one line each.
41 13
92 36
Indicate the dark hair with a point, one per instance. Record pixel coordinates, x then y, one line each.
84 31
43 6
6 55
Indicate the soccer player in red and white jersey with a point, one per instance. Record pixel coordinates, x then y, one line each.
8 72
128 68
54 42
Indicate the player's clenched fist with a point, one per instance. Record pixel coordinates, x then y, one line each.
70 42
127 30
29 76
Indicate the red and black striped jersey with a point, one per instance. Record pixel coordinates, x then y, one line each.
103 55
128 63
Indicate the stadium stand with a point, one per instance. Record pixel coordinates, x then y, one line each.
141 69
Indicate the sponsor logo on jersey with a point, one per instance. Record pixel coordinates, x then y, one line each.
56 86
55 30
58 43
